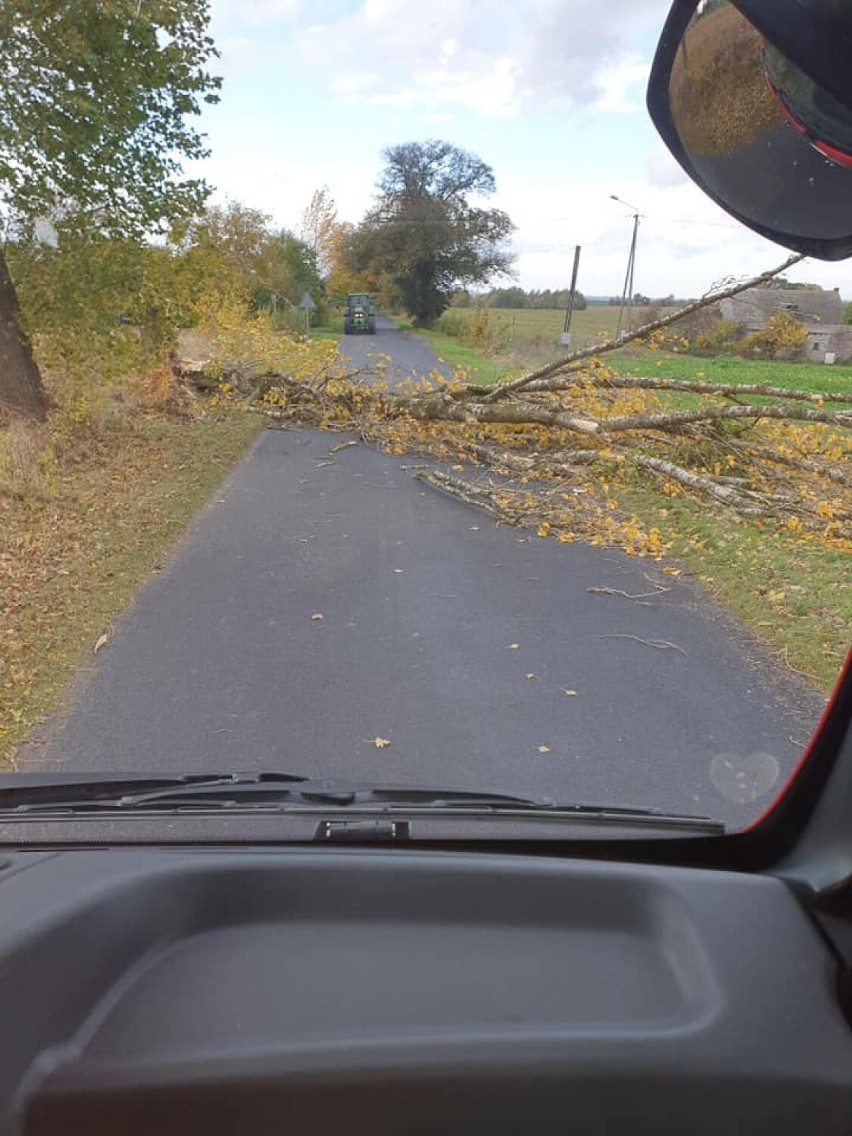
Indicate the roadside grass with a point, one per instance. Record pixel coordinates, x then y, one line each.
732 369
795 594
71 556
331 329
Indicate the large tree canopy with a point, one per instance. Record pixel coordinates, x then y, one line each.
425 236
95 98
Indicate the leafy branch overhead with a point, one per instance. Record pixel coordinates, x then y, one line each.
96 109
95 105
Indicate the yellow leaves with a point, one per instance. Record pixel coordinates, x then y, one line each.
671 571
543 529
544 749
317 616
794 524
826 509
570 693
776 597
380 743
513 647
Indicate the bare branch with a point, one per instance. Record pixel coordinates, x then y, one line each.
500 390
694 386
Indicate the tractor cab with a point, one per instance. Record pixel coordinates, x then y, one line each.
359 314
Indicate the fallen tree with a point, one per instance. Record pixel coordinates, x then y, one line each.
553 446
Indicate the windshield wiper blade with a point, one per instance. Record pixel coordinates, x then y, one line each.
286 792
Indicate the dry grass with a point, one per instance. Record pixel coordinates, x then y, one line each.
78 536
26 460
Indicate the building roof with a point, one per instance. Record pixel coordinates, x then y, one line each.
809 306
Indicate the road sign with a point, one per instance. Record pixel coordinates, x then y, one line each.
307 302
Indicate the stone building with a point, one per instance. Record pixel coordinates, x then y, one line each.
829 339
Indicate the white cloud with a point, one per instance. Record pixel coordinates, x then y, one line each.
493 57
254 13
663 171
621 85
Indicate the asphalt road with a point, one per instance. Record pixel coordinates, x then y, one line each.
392 354
454 640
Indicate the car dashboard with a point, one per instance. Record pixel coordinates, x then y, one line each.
306 989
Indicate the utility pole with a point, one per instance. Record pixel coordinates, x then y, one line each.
627 293
572 296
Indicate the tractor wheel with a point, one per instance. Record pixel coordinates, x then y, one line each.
371 327
346 328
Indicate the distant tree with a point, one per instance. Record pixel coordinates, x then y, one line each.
507 298
461 298
270 266
424 238
847 313
320 229
783 284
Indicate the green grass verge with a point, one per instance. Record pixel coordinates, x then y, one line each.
476 367
732 369
795 594
333 329
70 563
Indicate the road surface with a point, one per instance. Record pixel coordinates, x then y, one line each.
322 601
392 354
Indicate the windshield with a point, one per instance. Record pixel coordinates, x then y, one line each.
380 403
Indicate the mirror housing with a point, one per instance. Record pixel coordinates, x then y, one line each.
754 100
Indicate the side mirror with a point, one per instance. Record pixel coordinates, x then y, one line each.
754 100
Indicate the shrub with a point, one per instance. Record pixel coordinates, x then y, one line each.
716 338
783 337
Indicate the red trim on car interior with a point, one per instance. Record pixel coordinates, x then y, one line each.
827 151
845 677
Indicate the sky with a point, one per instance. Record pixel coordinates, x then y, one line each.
550 93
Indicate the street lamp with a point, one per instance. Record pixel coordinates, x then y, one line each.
627 293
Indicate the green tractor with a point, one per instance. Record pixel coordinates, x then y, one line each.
359 314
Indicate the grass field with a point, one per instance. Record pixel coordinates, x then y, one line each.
526 338
730 368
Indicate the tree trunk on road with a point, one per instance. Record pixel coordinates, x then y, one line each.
21 389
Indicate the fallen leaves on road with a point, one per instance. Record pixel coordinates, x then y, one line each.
530 675
571 693
513 647
317 616
544 749
381 743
